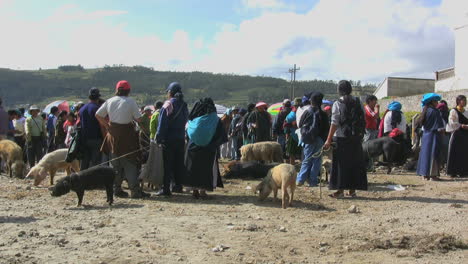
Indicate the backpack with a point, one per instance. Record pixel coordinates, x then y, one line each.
236 131
354 123
311 125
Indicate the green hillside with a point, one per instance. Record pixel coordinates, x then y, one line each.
148 85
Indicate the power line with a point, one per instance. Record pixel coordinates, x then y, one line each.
293 80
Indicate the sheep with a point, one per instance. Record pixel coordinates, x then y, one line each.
268 152
51 163
12 155
281 176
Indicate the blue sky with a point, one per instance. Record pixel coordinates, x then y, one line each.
328 39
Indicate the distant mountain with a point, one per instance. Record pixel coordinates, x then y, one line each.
73 82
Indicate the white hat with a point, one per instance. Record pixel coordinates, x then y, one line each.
34 108
147 108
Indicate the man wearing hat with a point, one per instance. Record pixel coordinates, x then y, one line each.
121 142
90 130
171 135
35 135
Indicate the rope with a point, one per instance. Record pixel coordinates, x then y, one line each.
125 155
117 158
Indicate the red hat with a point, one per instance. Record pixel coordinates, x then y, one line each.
123 85
260 104
326 108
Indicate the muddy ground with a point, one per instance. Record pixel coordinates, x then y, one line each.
426 223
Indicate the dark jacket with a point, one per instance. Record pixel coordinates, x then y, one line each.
262 120
172 127
279 121
314 123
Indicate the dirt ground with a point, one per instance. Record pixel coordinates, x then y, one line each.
426 223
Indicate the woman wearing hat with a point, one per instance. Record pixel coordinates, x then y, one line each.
35 135
458 125
259 123
393 118
432 124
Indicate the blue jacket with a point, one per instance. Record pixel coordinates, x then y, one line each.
172 127
50 125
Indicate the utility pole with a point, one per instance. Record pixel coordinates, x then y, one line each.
293 80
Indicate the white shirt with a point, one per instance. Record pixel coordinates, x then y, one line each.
453 123
301 111
388 123
120 109
19 125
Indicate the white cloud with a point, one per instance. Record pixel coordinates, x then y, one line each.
359 39
355 39
73 36
263 4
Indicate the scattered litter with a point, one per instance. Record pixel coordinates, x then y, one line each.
248 188
251 227
283 229
219 248
398 187
353 209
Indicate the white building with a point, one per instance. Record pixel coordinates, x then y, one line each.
456 78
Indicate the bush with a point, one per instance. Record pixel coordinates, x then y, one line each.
409 115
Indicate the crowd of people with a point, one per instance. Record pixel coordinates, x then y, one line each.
118 131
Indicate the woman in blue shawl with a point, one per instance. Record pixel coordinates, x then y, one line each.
293 150
205 133
433 125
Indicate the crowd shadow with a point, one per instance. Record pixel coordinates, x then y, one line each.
382 187
117 205
219 199
413 199
17 219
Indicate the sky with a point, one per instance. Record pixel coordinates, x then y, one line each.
328 39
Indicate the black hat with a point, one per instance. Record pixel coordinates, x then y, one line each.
174 88
94 92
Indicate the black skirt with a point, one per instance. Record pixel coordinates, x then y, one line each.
348 167
457 162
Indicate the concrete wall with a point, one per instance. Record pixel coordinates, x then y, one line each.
404 87
381 91
407 87
461 56
413 103
445 85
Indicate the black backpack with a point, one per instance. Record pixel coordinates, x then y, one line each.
311 125
354 123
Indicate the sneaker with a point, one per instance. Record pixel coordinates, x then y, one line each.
121 193
178 189
299 183
163 193
140 194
